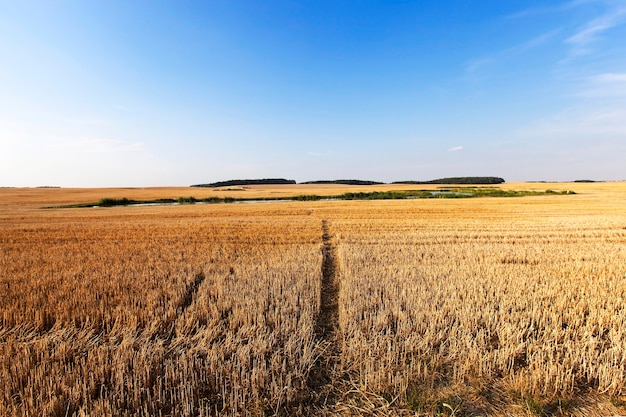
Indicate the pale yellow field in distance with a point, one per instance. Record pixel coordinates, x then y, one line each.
483 306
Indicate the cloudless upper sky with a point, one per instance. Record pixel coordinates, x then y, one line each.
143 93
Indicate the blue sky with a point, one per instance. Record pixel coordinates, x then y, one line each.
145 93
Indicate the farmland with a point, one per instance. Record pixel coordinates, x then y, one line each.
483 306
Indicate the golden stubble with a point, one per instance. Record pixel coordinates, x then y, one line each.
481 306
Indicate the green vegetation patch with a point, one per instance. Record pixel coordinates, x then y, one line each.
444 192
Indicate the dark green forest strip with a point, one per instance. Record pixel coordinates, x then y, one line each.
274 181
458 180
344 182
230 183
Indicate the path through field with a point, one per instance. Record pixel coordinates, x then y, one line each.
191 292
322 379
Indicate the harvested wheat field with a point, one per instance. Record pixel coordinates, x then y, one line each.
464 307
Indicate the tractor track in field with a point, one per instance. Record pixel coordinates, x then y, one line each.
168 331
190 293
324 375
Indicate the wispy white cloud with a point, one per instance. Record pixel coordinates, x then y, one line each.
68 158
318 154
580 41
103 145
605 123
476 64
535 42
605 85
559 8
590 32
538 11
455 149
475 69
611 78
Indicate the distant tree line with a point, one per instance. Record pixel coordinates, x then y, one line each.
275 181
344 182
230 183
458 180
